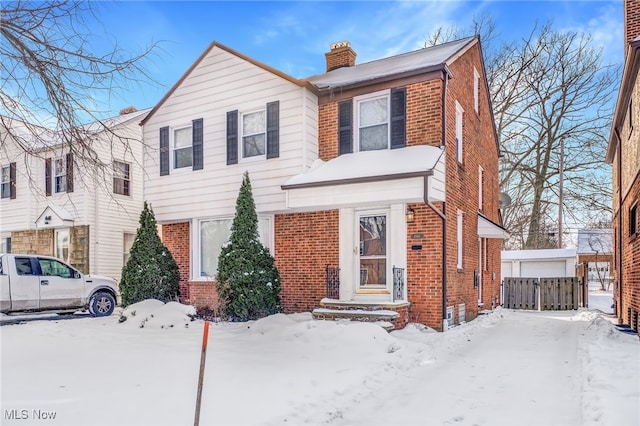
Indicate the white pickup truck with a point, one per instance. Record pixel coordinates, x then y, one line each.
34 283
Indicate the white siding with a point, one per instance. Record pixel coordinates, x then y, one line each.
220 83
91 203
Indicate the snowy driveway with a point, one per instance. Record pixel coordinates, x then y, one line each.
522 371
507 367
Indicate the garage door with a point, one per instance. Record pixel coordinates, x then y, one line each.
542 269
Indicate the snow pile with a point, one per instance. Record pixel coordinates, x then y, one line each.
153 313
607 355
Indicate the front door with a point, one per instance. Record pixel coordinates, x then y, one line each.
373 253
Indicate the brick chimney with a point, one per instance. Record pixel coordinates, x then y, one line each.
340 55
631 21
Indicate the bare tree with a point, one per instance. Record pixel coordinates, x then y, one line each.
51 75
548 87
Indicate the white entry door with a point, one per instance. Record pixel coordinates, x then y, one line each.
479 270
373 256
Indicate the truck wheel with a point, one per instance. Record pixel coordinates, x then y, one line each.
102 304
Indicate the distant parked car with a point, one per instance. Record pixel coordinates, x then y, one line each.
34 283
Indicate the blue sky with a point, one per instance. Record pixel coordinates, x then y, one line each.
294 36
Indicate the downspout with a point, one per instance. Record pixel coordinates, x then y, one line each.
444 249
442 213
619 161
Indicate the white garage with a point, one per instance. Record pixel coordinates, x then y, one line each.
545 263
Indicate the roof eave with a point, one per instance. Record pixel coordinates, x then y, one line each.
301 83
363 179
383 79
629 77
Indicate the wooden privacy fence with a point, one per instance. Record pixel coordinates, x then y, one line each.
547 294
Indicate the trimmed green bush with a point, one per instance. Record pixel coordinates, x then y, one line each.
151 271
248 281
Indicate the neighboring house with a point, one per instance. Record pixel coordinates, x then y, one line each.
376 185
542 263
623 153
52 204
595 246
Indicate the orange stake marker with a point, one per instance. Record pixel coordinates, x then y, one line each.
203 357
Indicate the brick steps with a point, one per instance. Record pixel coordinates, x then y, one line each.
385 315
382 318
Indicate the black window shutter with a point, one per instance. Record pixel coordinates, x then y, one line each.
398 118
232 137
197 138
69 172
12 181
345 132
164 151
47 176
273 129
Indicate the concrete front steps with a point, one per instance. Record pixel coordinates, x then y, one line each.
392 316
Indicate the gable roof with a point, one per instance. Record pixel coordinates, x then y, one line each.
204 54
418 61
595 241
629 77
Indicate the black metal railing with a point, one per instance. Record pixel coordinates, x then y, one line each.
398 284
333 282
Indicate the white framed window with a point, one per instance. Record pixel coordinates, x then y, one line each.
480 186
476 88
459 239
459 117
121 178
5 182
60 174
372 118
254 134
182 147
5 244
211 235
62 245
127 242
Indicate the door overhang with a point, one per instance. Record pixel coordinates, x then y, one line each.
489 229
405 175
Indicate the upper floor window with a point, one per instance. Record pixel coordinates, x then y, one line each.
7 181
372 113
254 134
182 148
60 174
459 117
633 220
186 145
476 88
480 186
121 178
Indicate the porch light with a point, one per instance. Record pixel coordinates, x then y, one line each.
411 215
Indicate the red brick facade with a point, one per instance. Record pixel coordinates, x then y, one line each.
305 244
627 294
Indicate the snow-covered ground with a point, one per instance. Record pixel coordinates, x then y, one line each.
504 368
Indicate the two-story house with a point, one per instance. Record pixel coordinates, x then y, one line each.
623 153
376 184
53 203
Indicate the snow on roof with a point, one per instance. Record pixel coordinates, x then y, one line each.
406 62
539 254
591 241
385 162
40 137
